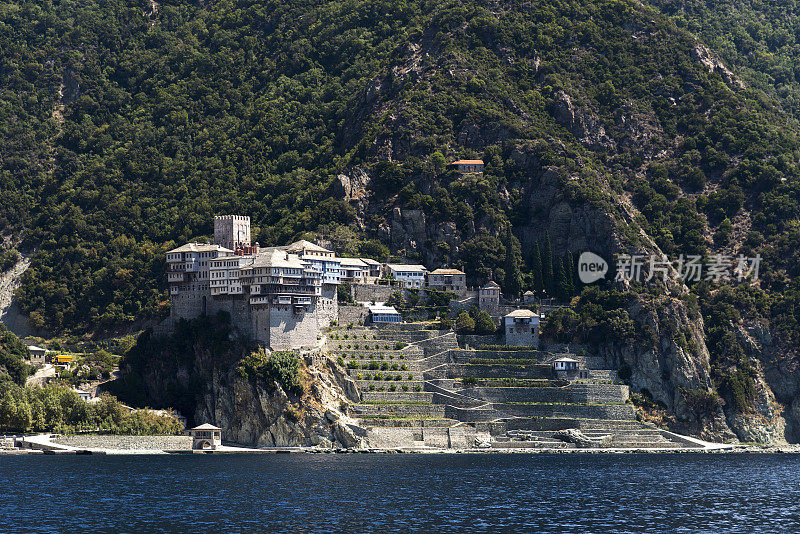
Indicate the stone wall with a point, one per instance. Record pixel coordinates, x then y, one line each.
371 292
352 314
94 441
290 330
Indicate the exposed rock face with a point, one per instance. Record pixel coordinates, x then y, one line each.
702 54
775 410
580 122
262 415
351 186
581 440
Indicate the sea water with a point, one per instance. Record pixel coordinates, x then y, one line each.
401 493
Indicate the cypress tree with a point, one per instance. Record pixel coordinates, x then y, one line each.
536 268
560 280
547 266
513 274
569 275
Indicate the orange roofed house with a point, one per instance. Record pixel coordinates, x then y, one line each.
468 165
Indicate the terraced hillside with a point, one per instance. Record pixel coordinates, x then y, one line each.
418 388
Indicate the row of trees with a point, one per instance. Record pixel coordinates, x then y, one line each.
56 408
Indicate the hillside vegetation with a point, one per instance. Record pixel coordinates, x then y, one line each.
605 125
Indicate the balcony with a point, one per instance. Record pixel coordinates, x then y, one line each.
259 300
192 266
255 290
176 277
174 290
302 300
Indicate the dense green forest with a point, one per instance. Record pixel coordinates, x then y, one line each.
126 126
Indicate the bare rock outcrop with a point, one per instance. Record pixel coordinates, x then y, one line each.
704 55
580 122
264 415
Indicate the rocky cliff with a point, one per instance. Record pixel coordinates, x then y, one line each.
263 415
197 370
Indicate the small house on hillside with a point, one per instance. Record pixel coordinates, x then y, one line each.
529 297
468 166
451 280
38 355
489 297
566 367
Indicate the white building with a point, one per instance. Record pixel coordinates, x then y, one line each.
354 270
206 437
384 314
188 274
522 328
410 276
321 258
278 298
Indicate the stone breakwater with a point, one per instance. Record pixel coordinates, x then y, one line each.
125 443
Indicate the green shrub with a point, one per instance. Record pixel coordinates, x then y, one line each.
281 367
417 388
411 377
340 361
392 388
359 376
399 345
404 367
469 381
405 387
398 378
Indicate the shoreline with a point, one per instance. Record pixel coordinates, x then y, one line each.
46 444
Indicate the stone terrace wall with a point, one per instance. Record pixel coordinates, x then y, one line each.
94 441
352 314
371 292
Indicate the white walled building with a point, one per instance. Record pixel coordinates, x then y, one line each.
411 276
354 271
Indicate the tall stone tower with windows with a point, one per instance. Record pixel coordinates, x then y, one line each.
232 231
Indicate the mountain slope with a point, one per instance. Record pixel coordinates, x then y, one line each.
603 124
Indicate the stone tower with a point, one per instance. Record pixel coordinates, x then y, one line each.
232 231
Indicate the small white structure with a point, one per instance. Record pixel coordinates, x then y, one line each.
206 437
84 395
410 276
38 355
565 367
529 297
468 166
384 314
489 296
522 328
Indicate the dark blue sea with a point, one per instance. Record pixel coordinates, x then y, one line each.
401 493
